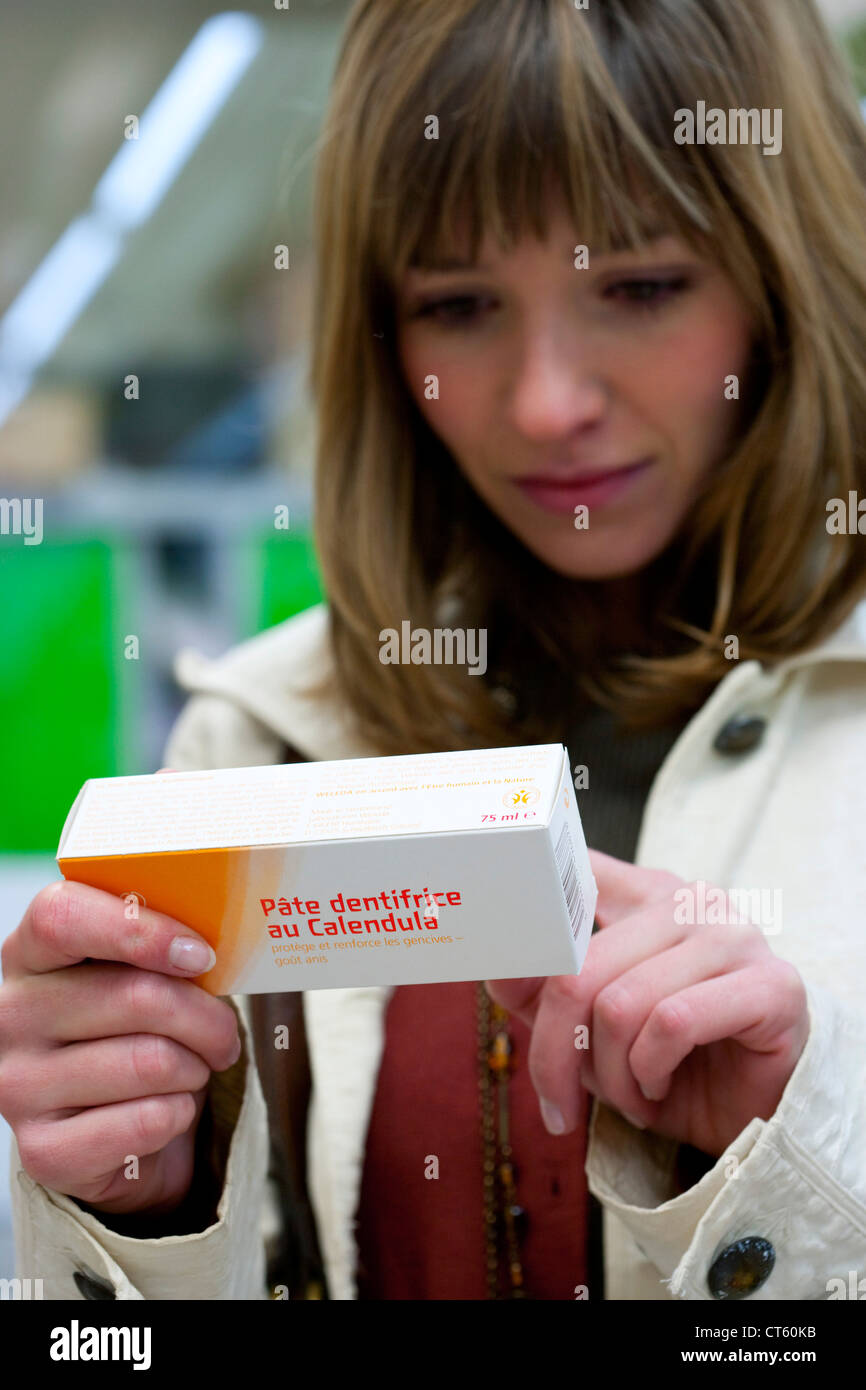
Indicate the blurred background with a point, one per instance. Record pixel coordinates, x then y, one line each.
153 159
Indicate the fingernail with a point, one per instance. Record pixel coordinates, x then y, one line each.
633 1120
195 957
553 1121
646 1095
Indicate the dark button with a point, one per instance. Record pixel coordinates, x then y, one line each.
90 1287
741 1268
740 733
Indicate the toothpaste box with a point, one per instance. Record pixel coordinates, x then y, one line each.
371 871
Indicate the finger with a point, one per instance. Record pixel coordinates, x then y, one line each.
608 954
564 1007
519 997
754 1007
161 1179
69 922
621 1009
70 1154
623 946
625 888
106 1001
49 1086
554 1059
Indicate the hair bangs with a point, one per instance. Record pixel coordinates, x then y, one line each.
506 120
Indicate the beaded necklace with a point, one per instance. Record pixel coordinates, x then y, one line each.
504 1219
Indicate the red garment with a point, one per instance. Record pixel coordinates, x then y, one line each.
422 1238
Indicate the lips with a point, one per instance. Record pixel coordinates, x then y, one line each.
563 493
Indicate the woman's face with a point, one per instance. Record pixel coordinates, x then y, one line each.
550 376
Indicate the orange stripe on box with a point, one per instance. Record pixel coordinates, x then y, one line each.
204 889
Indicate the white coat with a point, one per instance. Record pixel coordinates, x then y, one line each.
789 814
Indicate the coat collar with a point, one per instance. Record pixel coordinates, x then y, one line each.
267 676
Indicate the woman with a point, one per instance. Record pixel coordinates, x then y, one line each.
588 388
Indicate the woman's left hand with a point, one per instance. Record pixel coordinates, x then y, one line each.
692 1029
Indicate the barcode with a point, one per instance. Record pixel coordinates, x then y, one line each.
570 882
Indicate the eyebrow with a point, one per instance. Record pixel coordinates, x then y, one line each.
454 263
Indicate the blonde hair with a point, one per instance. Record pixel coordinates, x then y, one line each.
531 94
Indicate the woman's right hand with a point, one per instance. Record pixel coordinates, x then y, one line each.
106 1048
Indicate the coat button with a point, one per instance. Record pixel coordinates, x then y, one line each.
90 1287
740 733
741 1268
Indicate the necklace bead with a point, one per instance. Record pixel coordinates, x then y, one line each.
505 1220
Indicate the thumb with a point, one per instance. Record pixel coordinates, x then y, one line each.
624 888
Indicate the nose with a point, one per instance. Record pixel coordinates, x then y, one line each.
558 389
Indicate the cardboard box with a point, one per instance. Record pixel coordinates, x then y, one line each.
373 871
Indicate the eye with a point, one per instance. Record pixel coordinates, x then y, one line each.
647 292
451 311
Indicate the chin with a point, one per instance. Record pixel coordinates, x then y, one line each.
604 558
